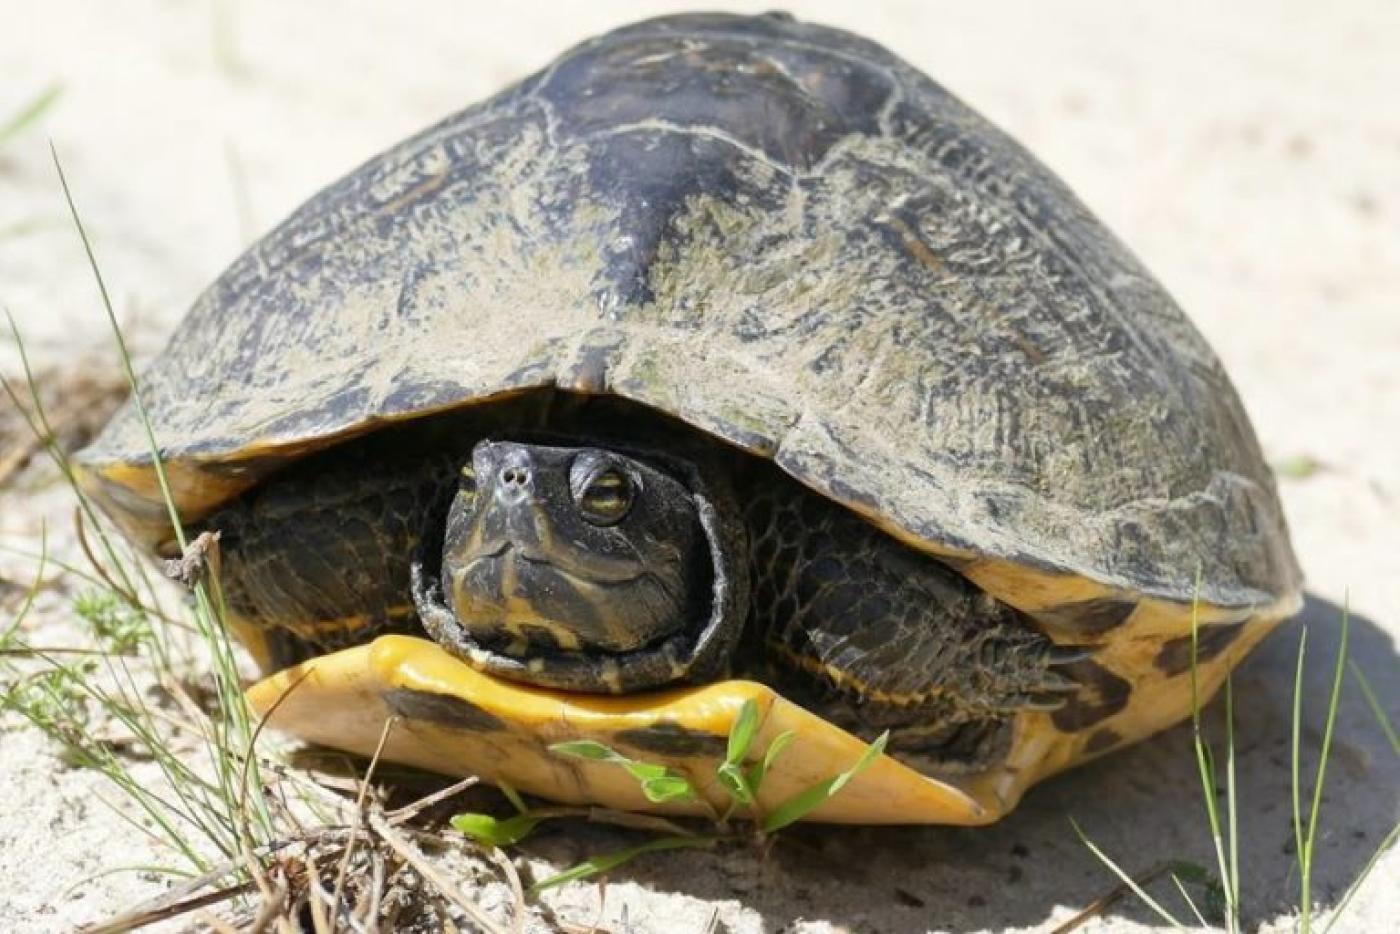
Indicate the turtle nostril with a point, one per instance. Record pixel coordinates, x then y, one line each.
515 476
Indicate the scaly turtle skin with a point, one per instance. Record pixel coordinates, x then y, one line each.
870 410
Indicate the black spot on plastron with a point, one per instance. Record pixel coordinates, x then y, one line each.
1090 617
1102 695
1174 657
669 738
442 709
1102 741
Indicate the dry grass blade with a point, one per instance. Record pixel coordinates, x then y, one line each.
253 740
79 399
359 810
409 811
410 855
1105 901
517 889
139 919
368 909
271 909
317 897
98 568
216 925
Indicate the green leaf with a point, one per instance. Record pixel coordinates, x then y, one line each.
804 802
735 782
742 732
874 751
759 771
643 771
587 749
667 788
610 861
483 828
596 752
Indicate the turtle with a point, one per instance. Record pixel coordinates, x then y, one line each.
725 363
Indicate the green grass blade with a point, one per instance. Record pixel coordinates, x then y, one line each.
30 113
1190 902
32 593
1295 765
1352 889
229 736
1232 882
1205 765
123 352
1333 702
1126 879
610 861
1374 703
804 802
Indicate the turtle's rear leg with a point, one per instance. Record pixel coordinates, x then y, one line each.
874 635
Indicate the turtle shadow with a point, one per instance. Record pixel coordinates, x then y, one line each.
1143 806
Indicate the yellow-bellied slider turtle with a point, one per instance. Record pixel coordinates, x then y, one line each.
723 348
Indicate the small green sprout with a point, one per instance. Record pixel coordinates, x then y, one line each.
740 778
743 784
658 783
117 626
487 830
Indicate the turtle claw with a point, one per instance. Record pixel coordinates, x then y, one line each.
1057 683
1068 654
1041 702
1047 703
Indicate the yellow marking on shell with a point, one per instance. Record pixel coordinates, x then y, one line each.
131 493
341 703
1156 699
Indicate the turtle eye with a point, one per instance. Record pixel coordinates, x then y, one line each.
605 496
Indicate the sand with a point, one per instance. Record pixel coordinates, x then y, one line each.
1249 153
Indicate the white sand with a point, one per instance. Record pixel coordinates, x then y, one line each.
1249 152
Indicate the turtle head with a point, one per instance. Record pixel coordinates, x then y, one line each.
584 568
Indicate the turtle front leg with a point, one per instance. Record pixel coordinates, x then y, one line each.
874 635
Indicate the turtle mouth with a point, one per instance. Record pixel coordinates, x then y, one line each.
591 570
521 600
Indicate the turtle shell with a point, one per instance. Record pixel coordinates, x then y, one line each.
790 239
